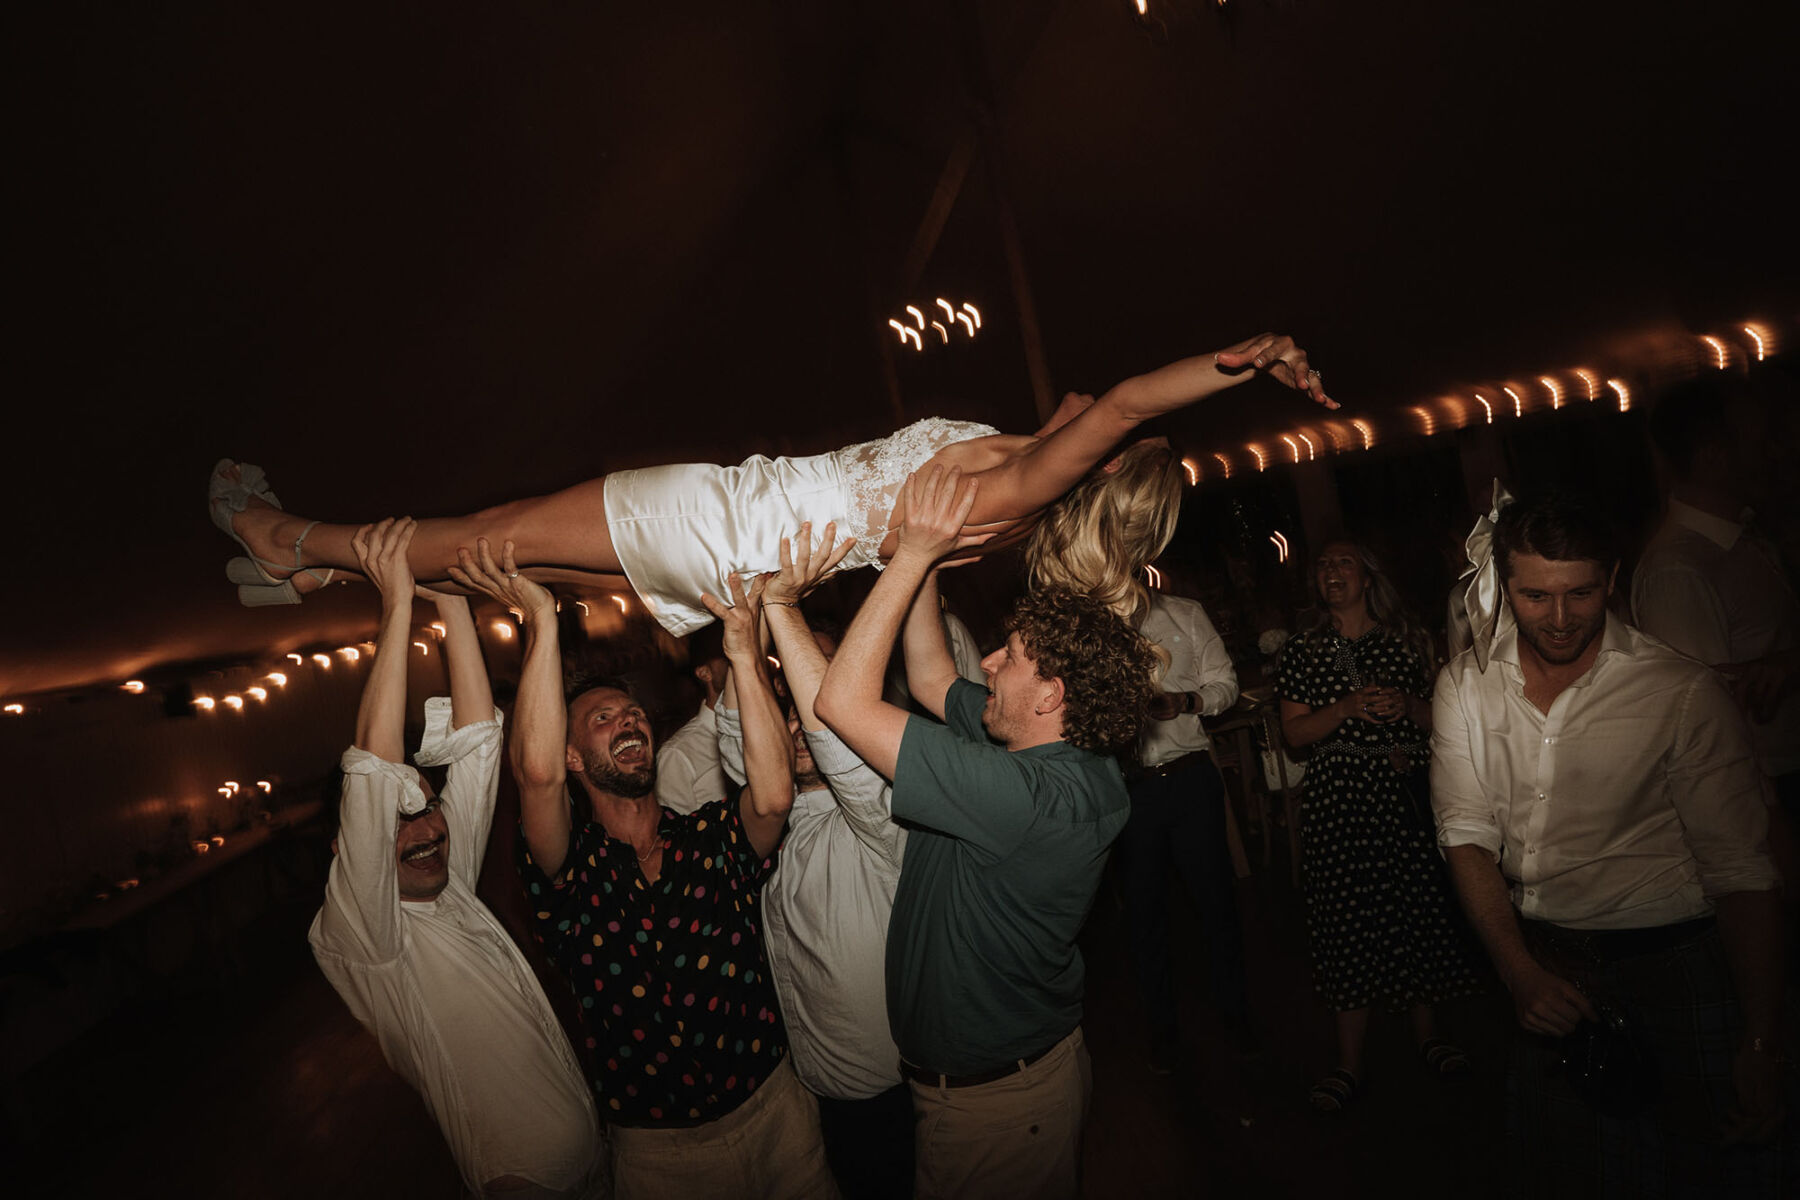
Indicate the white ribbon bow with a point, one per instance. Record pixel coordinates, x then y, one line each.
1476 602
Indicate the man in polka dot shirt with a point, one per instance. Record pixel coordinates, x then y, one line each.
655 917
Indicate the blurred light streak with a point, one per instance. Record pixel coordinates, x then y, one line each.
323 660
1486 407
423 649
134 686
1281 545
1191 470
899 330
503 630
583 607
967 323
259 693
1336 432
1427 425
1721 359
235 703
349 653
1225 463
16 710
1757 335
265 785
297 660
1262 460
203 703
917 316
1154 576
1311 450
277 678
973 312
231 788
1618 385
1292 445
620 601
912 335
942 332
1518 401
437 627
1590 381
1554 388
1366 430
949 312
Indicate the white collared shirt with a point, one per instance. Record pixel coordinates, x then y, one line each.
1715 592
457 1011
1627 805
687 765
825 919
1198 662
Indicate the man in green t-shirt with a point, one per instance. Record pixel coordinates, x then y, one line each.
1013 802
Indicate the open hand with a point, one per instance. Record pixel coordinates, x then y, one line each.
1374 702
804 565
935 502
1276 356
480 573
381 553
1549 1004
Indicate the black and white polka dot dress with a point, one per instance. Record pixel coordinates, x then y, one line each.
1383 926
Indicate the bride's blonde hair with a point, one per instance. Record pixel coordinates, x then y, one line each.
1097 540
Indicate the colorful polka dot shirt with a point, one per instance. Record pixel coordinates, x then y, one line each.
681 1014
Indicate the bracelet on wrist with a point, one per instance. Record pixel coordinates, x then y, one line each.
782 603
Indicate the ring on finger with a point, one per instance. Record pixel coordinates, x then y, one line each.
512 574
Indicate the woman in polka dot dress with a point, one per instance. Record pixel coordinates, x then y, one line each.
1381 922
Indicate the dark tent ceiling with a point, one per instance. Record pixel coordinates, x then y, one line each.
422 259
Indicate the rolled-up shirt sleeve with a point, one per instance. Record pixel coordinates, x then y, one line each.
360 919
1717 790
731 743
862 795
473 756
1465 815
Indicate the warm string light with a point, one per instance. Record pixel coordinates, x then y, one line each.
1192 470
1292 445
619 600
1262 460
1427 425
1757 335
1154 576
1224 464
1555 390
1281 545
423 649
1365 431
259 694
134 686
1624 393
1486 407
965 318
323 661
503 630
14 710
1721 358
1590 381
1518 401
297 660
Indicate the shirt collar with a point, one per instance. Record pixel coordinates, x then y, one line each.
1615 638
1717 530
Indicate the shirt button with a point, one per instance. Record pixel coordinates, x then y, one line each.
1541 796
1531 849
1548 740
1531 891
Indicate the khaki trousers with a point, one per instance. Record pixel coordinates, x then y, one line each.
768 1148
1017 1137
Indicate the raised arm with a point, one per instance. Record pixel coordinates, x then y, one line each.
936 504
471 697
381 716
930 669
540 739
803 566
768 752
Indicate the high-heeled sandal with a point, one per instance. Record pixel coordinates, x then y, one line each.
226 498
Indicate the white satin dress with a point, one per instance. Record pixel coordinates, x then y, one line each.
682 530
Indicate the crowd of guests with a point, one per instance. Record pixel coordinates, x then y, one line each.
823 939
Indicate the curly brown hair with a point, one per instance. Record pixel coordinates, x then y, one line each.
1105 665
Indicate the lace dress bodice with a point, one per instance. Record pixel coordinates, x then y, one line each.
873 473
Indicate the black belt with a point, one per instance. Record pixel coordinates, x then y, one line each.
1163 770
1613 945
938 1079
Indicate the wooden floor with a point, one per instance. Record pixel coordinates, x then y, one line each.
263 1086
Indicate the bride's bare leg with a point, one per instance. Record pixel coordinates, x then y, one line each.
564 529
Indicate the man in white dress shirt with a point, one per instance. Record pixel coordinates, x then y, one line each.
687 764
826 908
415 955
1603 818
1178 816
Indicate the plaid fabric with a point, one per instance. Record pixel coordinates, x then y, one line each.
1681 1001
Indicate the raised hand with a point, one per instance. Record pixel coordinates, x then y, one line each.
804 565
737 621
1277 356
480 573
380 551
934 503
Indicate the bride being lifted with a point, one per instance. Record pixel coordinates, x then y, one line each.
678 531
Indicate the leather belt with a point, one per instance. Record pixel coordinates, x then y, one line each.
938 1079
1164 770
1614 945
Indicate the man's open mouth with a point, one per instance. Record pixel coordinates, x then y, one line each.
630 751
425 854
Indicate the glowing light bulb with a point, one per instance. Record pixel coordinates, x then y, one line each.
1153 576
203 703
620 601
259 693
277 678
943 334
1756 335
1292 445
1590 381
949 310
1554 388
16 710
503 630
322 660
1721 358
235 703
1191 470
423 649
1262 460
349 653
1486 407
1427 425
265 785
1366 431
917 316
1624 393
1224 463
973 312
1518 401
134 686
